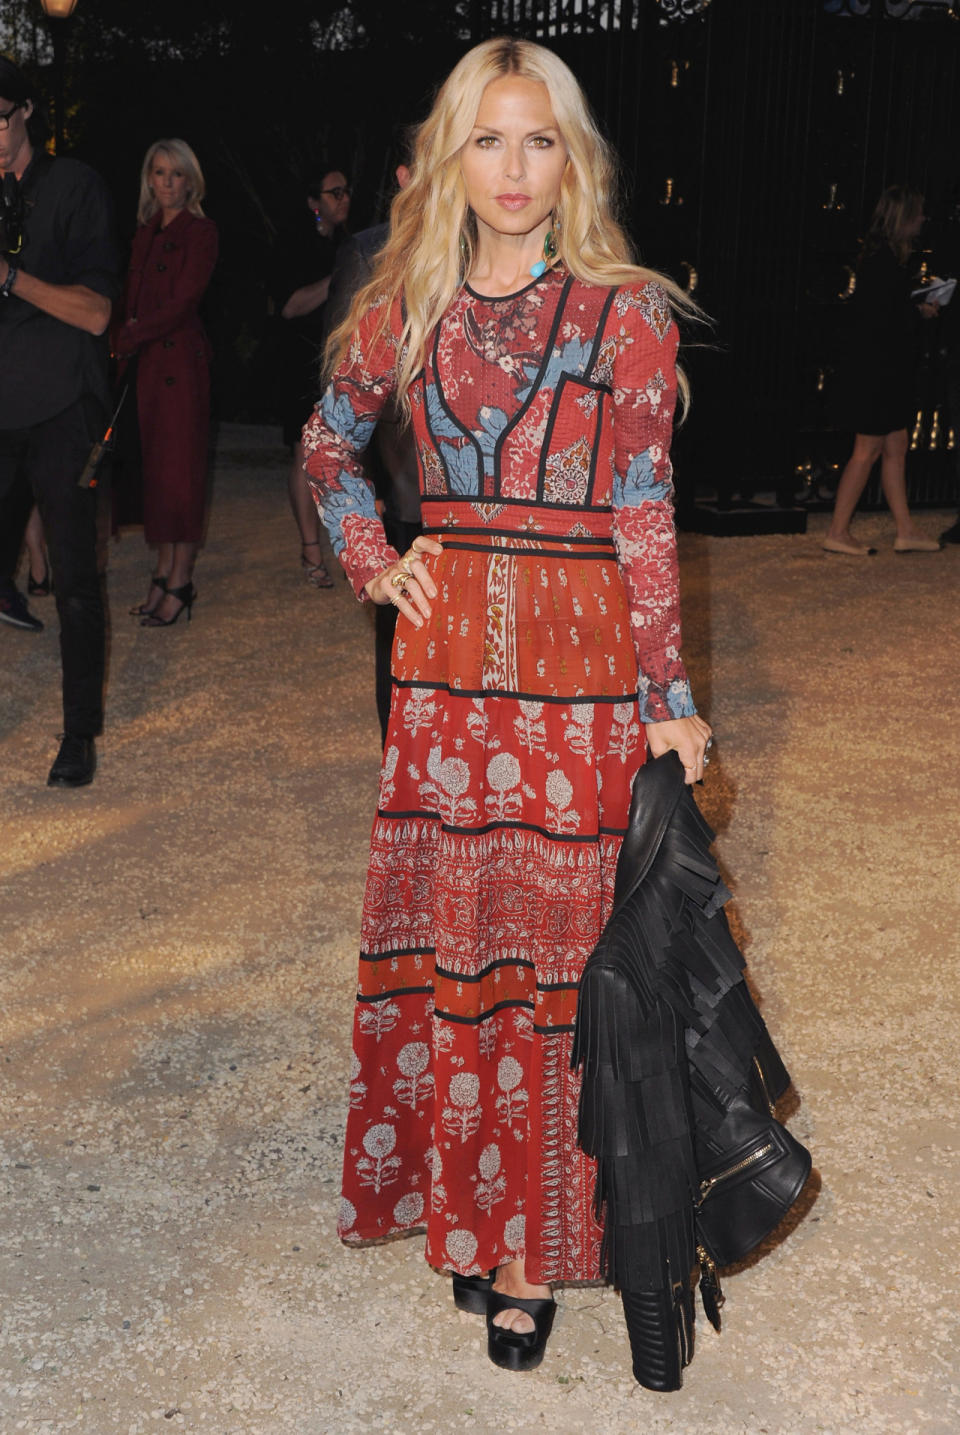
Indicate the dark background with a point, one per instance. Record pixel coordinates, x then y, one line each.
755 137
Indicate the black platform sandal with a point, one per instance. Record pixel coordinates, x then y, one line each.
513 1349
471 1293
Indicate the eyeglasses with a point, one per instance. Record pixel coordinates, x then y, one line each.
5 117
339 191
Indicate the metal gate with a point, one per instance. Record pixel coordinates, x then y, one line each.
755 137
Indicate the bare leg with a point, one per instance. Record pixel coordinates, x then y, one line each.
893 477
302 501
161 573
511 1279
164 560
34 543
866 450
308 521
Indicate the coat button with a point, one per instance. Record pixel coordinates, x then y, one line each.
161 268
168 343
169 381
167 247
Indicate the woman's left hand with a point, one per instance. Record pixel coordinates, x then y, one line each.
687 737
407 584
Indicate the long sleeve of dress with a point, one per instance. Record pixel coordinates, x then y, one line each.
336 434
644 395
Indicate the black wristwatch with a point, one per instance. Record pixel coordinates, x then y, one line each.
6 288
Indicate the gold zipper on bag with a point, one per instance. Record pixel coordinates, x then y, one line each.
772 1105
707 1186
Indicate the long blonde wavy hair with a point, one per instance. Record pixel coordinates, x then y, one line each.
184 158
895 211
433 230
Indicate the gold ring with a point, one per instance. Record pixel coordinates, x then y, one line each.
399 579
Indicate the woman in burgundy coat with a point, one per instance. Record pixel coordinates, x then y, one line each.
174 253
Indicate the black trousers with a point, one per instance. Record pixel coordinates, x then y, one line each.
42 464
400 535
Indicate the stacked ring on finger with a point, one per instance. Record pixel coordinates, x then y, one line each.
399 580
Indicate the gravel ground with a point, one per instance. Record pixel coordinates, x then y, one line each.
176 979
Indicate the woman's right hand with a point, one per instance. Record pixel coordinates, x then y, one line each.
412 595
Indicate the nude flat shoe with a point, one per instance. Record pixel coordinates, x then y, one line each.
916 545
852 550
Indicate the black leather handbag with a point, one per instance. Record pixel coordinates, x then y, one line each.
751 1172
679 1081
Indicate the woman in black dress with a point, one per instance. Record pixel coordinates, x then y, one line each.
878 395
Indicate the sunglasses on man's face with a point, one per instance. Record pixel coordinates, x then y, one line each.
5 116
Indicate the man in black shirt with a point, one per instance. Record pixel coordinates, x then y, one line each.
58 276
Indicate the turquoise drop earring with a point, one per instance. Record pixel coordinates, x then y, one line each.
550 251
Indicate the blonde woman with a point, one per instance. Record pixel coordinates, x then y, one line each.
174 253
878 398
536 658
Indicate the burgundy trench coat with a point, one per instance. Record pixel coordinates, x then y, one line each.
169 273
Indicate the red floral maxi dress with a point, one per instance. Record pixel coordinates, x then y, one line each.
542 423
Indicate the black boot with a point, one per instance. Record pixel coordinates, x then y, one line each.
75 763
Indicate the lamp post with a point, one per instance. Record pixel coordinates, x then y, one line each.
58 12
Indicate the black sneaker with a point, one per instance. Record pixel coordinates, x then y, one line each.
14 610
952 535
75 763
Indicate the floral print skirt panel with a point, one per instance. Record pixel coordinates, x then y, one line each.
514 739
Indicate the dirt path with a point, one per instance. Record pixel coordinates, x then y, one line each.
176 974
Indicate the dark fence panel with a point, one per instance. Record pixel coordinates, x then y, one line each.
755 138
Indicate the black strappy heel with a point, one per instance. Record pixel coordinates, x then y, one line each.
143 610
316 574
513 1349
184 596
